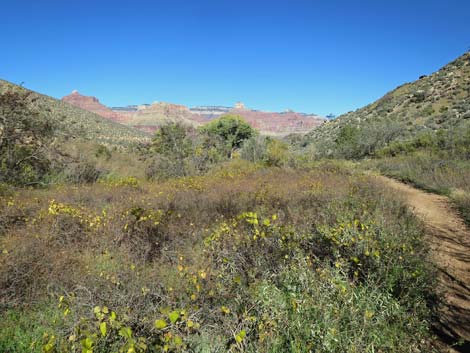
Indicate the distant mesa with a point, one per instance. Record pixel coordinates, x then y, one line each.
149 117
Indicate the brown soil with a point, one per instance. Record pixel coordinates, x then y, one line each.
449 239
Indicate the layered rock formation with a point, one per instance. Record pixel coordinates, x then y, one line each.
280 123
148 117
93 105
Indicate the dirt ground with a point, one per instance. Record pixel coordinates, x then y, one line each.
449 239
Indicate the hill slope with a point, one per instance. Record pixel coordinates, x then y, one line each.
438 101
73 122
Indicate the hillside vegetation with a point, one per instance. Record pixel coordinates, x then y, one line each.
218 239
44 141
419 133
440 101
71 122
244 259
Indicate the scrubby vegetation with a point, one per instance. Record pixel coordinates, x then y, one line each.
440 101
203 241
221 240
39 147
242 259
419 133
438 162
24 140
72 123
179 150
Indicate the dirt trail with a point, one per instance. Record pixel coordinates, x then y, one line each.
449 239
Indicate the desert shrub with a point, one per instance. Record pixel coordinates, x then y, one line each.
116 180
454 143
428 110
254 149
266 150
418 96
244 258
5 190
462 200
355 143
81 171
277 153
24 138
179 151
103 152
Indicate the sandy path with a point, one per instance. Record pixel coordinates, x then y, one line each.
449 239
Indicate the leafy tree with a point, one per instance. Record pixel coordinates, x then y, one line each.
173 145
172 140
232 129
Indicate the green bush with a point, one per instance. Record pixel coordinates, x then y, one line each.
355 143
24 141
277 153
103 152
179 151
81 172
232 129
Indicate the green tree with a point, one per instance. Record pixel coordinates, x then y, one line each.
172 140
232 129
171 147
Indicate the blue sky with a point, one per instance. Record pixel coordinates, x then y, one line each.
310 56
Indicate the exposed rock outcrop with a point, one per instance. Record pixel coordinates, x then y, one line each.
93 105
148 117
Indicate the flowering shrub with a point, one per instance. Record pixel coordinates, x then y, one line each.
244 259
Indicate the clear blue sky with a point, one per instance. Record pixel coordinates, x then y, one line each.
307 55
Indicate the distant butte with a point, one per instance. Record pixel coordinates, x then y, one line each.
92 104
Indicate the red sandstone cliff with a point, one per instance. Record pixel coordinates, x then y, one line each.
149 117
93 105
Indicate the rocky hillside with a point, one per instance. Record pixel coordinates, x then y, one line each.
72 122
435 102
148 117
93 105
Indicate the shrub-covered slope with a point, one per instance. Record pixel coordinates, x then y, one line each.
73 122
438 101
